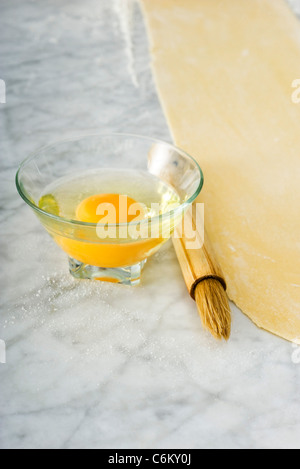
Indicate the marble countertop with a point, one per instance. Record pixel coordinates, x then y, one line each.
92 365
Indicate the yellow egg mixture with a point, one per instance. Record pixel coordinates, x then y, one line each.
107 198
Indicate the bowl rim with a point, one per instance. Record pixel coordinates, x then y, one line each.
60 219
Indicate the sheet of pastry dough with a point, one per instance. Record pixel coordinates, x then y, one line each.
225 71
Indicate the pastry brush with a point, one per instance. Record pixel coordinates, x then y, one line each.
204 278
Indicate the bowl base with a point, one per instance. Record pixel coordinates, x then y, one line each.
126 275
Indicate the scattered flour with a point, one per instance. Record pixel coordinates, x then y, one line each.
124 10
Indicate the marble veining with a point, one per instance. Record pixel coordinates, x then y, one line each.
92 365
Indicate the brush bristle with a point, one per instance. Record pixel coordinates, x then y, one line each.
213 307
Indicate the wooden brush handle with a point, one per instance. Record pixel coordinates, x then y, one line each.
196 264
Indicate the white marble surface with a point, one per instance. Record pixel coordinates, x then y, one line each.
93 365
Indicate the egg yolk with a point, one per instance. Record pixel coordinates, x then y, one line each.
109 208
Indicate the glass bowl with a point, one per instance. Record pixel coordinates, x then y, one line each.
108 251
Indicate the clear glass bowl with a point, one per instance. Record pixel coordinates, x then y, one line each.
119 258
